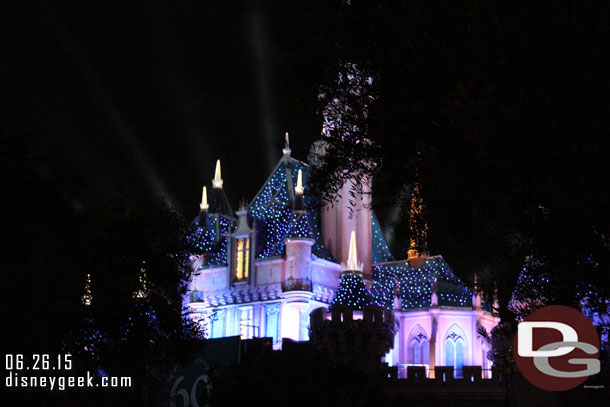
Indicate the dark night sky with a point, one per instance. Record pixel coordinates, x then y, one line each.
142 96
509 101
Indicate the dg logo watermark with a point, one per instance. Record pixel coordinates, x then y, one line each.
557 348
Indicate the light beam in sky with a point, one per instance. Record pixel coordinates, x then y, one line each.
262 65
94 83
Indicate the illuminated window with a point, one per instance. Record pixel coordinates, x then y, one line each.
218 319
242 258
454 353
272 323
418 350
246 323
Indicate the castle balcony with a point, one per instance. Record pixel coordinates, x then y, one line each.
296 284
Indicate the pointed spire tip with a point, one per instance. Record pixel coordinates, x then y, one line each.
352 258
217 181
204 200
299 188
286 150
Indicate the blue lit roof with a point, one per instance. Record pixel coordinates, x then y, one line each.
272 208
380 252
415 284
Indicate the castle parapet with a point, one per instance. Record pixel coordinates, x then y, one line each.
296 284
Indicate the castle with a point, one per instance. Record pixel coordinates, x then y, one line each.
262 270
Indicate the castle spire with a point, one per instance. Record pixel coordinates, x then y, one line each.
351 291
219 204
418 227
352 258
286 150
299 188
204 200
217 181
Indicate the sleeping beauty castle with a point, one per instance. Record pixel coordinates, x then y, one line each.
262 270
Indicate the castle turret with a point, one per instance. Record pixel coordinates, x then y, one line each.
241 249
298 244
418 229
297 281
286 150
203 209
351 292
219 204
202 234
348 214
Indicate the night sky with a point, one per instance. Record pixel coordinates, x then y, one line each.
500 111
143 97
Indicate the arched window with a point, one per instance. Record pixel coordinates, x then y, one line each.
418 350
455 347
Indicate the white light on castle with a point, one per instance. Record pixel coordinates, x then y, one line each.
299 188
352 258
204 200
217 181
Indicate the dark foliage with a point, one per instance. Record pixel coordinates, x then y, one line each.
345 154
130 250
507 105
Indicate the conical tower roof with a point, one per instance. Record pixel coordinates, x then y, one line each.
219 204
352 292
300 225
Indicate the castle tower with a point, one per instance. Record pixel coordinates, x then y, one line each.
219 204
202 236
298 244
241 247
297 282
351 292
346 120
204 220
339 219
418 229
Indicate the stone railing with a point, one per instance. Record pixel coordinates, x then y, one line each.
296 284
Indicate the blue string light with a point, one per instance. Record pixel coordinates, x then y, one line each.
351 292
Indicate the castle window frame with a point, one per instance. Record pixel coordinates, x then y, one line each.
241 258
247 330
456 349
418 350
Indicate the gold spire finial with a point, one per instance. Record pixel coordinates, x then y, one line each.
204 200
299 188
417 225
217 181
